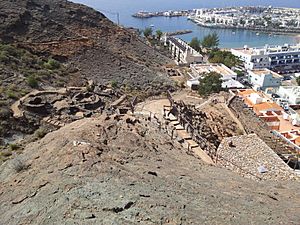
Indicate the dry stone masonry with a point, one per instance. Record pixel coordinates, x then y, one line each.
251 157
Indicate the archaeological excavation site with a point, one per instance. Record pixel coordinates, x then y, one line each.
158 161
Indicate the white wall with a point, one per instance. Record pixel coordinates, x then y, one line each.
291 94
263 81
252 61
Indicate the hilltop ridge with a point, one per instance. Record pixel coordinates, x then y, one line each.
79 35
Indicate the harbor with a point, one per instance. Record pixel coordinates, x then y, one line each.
169 13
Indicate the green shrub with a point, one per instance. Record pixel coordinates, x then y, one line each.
114 84
3 103
14 147
3 57
239 73
11 94
4 113
28 59
10 50
40 133
195 44
225 57
18 165
148 32
52 64
24 92
210 83
6 153
44 74
32 81
298 81
210 41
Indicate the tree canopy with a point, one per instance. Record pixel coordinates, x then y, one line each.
210 41
225 57
195 44
159 34
210 83
148 32
298 81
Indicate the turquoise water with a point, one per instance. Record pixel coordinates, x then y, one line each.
228 38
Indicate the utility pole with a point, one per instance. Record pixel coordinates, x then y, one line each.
118 18
112 13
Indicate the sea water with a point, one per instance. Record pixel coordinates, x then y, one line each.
229 38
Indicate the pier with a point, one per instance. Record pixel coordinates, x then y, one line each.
178 32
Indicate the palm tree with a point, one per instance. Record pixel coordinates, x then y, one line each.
159 34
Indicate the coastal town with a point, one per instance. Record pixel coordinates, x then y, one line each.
268 19
258 18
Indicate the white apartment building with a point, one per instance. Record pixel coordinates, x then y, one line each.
264 78
278 58
228 76
290 94
182 53
224 71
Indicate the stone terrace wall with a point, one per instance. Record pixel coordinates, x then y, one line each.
254 124
245 154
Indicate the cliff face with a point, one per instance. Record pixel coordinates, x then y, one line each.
85 38
125 170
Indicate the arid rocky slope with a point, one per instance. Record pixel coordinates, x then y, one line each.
120 170
85 38
85 46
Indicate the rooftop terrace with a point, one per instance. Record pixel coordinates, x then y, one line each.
218 68
269 49
264 72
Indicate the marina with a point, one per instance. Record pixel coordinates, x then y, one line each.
169 13
266 19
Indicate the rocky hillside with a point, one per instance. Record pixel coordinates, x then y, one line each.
124 170
54 43
84 38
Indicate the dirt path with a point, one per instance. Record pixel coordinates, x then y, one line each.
153 106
